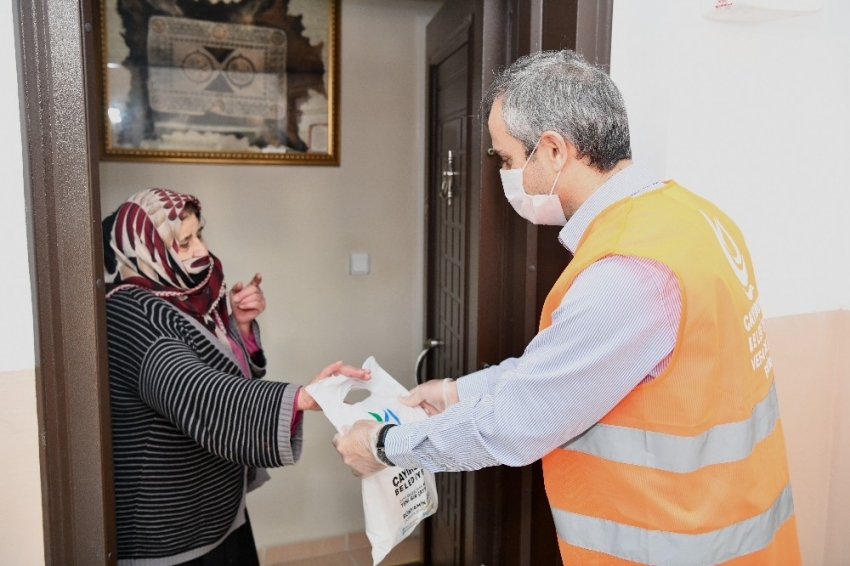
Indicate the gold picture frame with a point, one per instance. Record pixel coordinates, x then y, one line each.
254 82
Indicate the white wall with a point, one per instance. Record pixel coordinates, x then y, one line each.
21 532
297 225
755 118
16 334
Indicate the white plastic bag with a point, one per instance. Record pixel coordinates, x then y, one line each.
394 500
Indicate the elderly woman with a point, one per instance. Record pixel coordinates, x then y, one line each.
192 421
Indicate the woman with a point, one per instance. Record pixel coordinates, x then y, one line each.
191 420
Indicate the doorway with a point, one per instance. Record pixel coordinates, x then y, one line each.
58 51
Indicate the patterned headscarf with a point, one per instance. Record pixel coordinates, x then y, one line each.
140 250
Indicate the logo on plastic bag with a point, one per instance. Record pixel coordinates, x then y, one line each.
388 416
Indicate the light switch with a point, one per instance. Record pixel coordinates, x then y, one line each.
358 264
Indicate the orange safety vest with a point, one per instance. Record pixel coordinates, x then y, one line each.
689 468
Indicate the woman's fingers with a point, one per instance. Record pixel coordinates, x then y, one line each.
239 292
247 293
338 368
252 304
328 370
355 372
251 300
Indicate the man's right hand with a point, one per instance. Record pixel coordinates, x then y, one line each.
434 396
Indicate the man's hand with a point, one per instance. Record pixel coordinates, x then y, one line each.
306 401
247 303
434 396
355 445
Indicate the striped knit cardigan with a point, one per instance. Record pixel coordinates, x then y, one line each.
187 427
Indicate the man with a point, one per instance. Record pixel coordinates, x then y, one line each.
648 392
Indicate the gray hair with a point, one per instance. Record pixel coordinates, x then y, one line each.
560 91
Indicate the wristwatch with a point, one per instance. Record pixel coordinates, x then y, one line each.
379 445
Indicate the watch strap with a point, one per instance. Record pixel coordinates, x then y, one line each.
379 445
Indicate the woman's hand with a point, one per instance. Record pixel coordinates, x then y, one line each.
247 303
306 401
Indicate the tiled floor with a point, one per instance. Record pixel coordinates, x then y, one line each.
409 551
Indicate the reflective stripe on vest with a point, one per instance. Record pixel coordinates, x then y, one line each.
662 548
720 444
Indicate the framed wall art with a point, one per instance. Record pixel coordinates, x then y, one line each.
254 81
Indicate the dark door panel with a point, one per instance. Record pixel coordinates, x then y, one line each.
448 193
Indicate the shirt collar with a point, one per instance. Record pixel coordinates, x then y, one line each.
634 180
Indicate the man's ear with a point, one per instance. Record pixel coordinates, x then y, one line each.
555 149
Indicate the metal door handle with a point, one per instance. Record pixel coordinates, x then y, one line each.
448 178
429 344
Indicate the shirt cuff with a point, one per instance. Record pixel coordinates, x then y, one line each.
397 445
250 342
296 415
289 444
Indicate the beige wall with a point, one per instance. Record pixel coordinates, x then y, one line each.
21 529
810 358
837 548
297 225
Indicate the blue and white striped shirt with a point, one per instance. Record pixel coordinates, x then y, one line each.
615 328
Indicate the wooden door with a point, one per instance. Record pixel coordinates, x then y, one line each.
465 43
447 205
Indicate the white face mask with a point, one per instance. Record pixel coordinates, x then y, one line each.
537 209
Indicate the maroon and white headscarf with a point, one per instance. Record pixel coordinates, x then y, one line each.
140 250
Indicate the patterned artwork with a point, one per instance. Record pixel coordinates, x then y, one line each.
221 69
210 80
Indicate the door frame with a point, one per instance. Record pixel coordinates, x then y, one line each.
57 91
